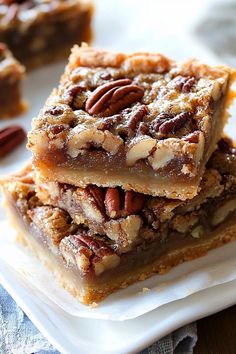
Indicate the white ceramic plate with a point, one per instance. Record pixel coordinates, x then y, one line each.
73 335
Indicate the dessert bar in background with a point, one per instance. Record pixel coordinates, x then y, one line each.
11 76
140 121
91 262
42 31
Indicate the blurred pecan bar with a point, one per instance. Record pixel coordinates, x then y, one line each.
42 31
139 121
92 263
11 75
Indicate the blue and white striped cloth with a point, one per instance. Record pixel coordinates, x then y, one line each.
19 336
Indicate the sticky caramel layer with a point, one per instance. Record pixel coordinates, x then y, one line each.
155 258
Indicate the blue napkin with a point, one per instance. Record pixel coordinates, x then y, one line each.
19 336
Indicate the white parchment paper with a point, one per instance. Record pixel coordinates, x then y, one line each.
218 267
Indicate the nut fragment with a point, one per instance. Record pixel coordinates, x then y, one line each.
105 258
53 223
133 202
125 232
223 211
192 137
161 156
111 142
81 137
140 148
90 205
76 253
197 231
110 98
88 253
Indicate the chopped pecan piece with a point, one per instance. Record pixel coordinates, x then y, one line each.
53 223
140 148
88 253
133 202
90 202
71 93
143 129
110 98
192 137
76 253
125 232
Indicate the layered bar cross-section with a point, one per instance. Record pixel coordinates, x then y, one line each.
139 121
97 240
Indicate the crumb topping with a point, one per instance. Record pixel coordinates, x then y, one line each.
117 102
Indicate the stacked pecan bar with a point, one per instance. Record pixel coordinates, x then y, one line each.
11 75
41 31
130 173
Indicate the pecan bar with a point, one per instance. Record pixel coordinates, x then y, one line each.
139 121
42 31
92 264
11 75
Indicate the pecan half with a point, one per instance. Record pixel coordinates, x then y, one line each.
110 98
161 118
88 253
55 111
97 195
133 202
10 138
112 202
192 137
174 124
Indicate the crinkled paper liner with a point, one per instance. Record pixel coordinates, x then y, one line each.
218 267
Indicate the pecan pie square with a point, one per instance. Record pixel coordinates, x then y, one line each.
42 31
139 121
11 76
98 240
